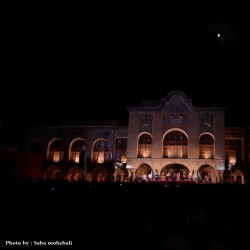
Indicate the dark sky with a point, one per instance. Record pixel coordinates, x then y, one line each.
63 63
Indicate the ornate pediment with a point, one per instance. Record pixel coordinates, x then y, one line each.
177 103
175 118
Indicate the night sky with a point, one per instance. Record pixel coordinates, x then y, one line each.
69 64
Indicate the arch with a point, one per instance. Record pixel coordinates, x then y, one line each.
55 150
100 150
206 173
99 174
121 174
175 129
239 179
53 173
142 133
75 173
144 145
234 176
206 146
175 144
207 133
174 93
174 171
143 171
77 149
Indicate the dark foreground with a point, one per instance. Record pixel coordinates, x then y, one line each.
124 216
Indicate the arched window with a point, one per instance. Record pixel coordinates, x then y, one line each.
77 151
233 151
145 146
56 150
206 146
175 145
101 151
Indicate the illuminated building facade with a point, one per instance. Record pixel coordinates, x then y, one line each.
167 137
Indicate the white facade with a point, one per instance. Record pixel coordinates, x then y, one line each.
176 114
169 137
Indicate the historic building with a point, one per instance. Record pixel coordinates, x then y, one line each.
169 138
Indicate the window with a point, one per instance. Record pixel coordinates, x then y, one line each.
175 145
56 150
233 151
56 156
145 146
75 156
77 151
101 151
206 143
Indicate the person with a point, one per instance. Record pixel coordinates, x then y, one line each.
149 176
206 179
168 176
178 176
162 176
174 177
183 176
156 175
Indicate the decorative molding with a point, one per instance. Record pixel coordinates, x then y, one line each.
176 118
145 124
175 121
177 103
206 122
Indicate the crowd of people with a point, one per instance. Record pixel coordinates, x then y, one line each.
174 176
